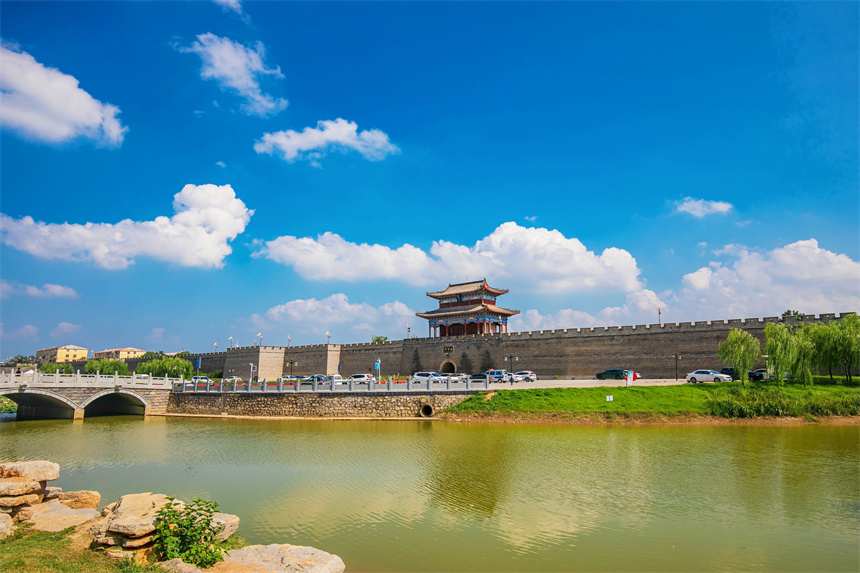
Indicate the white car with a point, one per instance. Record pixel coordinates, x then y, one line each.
707 376
360 379
527 376
428 377
201 380
231 379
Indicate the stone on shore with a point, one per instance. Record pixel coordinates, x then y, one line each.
267 559
134 514
6 526
55 516
15 486
229 525
83 499
52 493
39 471
18 500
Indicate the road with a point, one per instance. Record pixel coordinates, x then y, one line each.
593 383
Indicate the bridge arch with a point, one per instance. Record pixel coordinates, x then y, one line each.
115 401
36 404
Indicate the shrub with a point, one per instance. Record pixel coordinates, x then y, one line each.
187 532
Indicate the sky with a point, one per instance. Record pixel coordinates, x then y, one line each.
193 175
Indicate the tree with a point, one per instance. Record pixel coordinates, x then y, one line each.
740 349
105 366
152 355
779 348
804 352
167 366
51 367
379 338
795 314
824 336
847 343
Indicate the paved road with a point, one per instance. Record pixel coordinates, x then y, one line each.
593 383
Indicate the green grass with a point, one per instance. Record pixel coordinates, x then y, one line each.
28 551
7 405
728 400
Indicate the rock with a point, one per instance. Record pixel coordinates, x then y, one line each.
137 541
23 512
36 471
55 516
178 566
6 526
15 501
278 559
52 493
134 514
83 499
17 486
229 525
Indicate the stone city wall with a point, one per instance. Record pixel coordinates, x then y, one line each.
322 405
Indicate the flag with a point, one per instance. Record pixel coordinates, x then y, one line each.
216 346
289 339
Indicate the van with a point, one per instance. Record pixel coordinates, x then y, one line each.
498 375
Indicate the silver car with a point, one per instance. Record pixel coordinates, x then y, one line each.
707 376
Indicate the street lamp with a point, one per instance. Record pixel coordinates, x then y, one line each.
677 358
253 367
513 359
292 363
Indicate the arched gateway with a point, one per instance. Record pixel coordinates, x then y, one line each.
467 308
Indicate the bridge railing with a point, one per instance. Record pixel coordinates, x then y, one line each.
301 387
37 378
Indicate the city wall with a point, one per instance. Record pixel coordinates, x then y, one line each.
650 350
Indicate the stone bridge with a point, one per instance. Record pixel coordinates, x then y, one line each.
73 396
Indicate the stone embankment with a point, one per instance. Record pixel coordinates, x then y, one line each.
125 529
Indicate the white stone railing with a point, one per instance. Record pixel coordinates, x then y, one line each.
38 379
243 387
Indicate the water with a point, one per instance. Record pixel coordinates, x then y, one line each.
430 496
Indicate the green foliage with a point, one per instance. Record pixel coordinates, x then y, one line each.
152 355
52 552
167 366
795 314
741 349
804 355
187 532
7 406
775 402
779 348
847 342
106 367
51 367
379 338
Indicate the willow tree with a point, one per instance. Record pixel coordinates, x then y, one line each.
780 349
805 355
106 366
848 343
740 349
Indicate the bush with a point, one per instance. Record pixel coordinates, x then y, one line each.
187 532
771 402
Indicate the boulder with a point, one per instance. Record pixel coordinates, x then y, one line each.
54 516
15 501
6 526
52 493
229 525
178 566
279 559
37 471
18 486
134 514
83 499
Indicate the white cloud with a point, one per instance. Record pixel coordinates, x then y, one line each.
331 314
156 335
8 289
640 307
801 276
220 164
207 218
47 105
238 68
314 142
700 207
530 259
65 328
26 332
234 6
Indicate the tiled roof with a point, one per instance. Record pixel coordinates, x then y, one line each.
462 288
66 347
467 310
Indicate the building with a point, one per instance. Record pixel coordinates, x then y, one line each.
67 353
467 308
119 354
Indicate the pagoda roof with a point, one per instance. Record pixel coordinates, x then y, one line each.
467 310
462 288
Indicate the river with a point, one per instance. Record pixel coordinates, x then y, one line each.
446 496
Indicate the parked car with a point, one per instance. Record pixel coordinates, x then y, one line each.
528 376
312 377
201 380
498 376
481 378
612 374
707 376
428 377
287 379
515 377
334 379
360 379
760 374
231 379
457 377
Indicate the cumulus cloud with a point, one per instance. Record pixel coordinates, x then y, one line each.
65 329
314 143
47 105
9 289
207 218
699 208
238 68
640 307
800 275
234 6
26 332
333 312
531 259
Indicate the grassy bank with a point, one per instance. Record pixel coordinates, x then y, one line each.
725 400
7 405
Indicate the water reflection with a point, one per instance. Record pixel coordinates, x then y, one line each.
425 496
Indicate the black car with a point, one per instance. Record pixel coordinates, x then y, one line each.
759 374
730 372
612 374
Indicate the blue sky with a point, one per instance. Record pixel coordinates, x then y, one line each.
178 173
